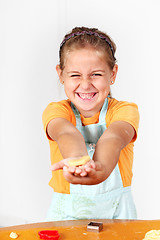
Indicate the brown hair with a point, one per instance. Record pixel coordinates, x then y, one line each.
97 40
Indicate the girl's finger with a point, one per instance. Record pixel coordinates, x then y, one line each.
90 164
83 173
57 166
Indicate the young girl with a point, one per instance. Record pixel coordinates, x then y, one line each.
90 123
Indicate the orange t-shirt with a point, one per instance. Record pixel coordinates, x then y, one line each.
117 111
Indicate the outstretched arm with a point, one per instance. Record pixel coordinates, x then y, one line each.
70 141
113 140
71 144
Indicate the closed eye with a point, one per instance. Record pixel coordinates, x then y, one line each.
97 74
75 75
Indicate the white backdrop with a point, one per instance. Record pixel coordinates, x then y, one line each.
30 34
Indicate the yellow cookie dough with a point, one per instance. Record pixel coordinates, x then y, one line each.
13 235
79 161
153 234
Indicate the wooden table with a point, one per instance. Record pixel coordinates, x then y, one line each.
77 230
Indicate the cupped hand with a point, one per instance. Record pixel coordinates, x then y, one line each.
90 176
74 170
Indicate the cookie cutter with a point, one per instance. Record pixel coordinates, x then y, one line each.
49 234
94 226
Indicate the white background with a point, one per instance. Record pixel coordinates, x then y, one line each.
30 34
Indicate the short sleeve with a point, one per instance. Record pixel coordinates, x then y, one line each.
54 110
123 111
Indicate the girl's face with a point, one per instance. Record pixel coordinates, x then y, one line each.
87 78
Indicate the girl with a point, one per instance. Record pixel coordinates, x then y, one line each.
92 123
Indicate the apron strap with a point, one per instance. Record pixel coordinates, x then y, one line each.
77 115
102 116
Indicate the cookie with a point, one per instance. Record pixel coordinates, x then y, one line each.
79 161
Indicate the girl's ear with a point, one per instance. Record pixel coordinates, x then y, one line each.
59 72
114 74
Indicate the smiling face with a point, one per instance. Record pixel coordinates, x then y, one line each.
87 78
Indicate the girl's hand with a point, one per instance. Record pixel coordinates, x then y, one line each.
76 171
93 175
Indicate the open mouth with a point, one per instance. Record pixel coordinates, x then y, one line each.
86 96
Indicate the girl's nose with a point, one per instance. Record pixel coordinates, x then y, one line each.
85 83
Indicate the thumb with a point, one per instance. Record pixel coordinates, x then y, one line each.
57 166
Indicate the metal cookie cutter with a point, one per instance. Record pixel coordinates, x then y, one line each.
94 226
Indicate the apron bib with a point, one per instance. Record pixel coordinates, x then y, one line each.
106 200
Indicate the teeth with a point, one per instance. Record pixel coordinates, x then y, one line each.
86 95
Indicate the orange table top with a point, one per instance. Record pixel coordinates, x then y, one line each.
77 230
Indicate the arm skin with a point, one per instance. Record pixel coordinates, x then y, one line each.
71 144
107 151
70 141
113 140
